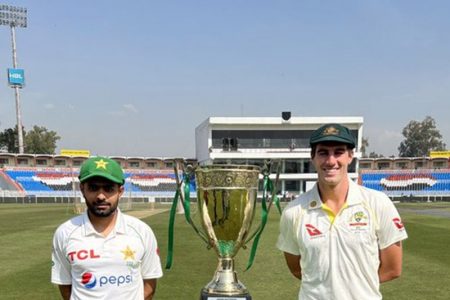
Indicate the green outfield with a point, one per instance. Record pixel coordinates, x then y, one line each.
26 232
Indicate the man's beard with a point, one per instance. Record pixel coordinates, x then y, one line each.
101 212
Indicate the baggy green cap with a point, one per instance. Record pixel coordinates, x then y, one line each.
101 167
332 133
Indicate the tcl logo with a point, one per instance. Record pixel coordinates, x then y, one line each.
82 254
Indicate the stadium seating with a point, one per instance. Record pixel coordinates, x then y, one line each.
63 182
408 182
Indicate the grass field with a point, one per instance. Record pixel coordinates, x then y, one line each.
26 232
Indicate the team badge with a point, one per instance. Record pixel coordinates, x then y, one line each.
330 131
358 219
129 257
101 164
128 253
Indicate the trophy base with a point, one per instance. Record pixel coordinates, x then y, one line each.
208 296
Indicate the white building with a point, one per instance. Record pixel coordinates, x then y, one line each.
252 140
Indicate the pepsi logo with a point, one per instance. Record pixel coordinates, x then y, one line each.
88 280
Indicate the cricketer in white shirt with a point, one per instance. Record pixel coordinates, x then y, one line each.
339 257
99 267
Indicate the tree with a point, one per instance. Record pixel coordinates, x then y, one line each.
375 155
421 138
364 146
9 140
40 140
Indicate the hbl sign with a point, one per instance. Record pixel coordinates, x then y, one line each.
16 77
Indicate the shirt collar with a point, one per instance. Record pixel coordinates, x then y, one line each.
353 196
315 201
118 228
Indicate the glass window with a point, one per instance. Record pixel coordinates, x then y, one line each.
292 186
290 139
438 164
383 165
22 161
292 166
133 164
60 162
41 162
365 165
402 165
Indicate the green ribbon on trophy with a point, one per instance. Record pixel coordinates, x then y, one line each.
226 199
186 202
171 224
268 186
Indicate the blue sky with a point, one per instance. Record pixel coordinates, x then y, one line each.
135 78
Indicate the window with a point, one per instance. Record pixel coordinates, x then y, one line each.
364 165
419 165
151 165
256 139
438 164
169 164
41 162
292 167
4 161
60 162
383 165
77 163
22 161
402 165
292 186
134 164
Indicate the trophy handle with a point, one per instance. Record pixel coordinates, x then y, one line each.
185 199
268 186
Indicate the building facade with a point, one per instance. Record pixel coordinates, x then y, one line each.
254 140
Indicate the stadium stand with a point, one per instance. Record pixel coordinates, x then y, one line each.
64 182
399 183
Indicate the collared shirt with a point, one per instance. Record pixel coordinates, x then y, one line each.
340 256
99 267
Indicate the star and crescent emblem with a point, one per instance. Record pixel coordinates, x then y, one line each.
128 253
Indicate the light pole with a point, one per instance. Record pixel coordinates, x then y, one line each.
13 17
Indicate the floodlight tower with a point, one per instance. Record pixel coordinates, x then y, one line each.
13 17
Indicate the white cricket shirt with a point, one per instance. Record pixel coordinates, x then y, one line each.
340 258
111 267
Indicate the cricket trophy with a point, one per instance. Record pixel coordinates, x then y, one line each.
226 198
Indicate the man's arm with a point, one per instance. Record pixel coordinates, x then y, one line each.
149 288
66 291
390 262
293 263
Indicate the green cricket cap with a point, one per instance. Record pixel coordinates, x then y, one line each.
332 133
102 167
